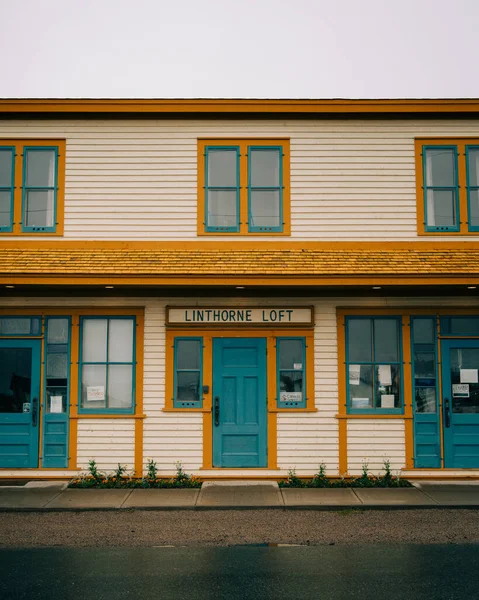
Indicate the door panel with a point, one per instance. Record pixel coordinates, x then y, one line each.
239 392
19 402
460 364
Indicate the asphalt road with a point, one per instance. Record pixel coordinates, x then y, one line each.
232 527
260 573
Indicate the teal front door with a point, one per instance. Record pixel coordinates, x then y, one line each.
460 396
239 402
19 403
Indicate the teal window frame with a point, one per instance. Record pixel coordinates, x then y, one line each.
280 188
374 410
447 331
470 188
26 189
455 188
11 189
303 402
191 403
48 351
422 347
81 363
32 318
236 188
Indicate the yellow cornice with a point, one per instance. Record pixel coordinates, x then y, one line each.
182 106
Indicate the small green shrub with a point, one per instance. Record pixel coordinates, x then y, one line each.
320 480
293 480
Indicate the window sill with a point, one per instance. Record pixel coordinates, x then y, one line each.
373 416
288 410
186 409
107 416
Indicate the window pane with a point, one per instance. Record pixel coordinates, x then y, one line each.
39 208
423 331
440 167
460 326
57 331
5 208
40 168
425 400
359 340
57 366
465 387
473 166
474 208
120 340
93 386
188 354
441 209
15 326
6 168
386 340
291 354
291 381
361 393
222 208
94 340
264 166
265 209
222 168
15 381
387 391
120 386
188 386
425 368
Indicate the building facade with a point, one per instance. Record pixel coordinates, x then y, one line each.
246 287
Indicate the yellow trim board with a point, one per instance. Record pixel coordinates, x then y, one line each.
216 106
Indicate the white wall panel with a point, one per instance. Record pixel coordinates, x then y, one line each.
136 180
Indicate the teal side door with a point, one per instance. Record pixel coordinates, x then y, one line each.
19 403
239 402
460 396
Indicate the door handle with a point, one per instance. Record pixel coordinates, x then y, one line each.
447 413
34 411
217 411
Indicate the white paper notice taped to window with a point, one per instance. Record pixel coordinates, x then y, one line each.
291 396
354 374
384 375
297 366
460 390
360 403
387 400
469 376
56 404
95 392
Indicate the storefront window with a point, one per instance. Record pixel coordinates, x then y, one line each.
373 365
107 351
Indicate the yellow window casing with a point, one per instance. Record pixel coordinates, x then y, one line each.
243 144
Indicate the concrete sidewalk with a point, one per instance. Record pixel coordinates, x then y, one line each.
54 496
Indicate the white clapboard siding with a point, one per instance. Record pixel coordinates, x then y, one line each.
374 441
137 180
107 441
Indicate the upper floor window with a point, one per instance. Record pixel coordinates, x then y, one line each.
31 186
448 186
243 187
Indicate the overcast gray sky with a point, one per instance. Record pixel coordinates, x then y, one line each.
239 48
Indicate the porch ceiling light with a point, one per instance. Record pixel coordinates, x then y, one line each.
10 287
471 287
109 287
240 287
376 287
